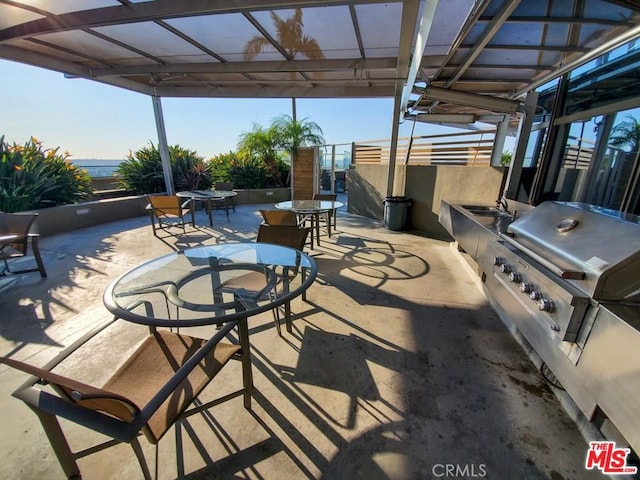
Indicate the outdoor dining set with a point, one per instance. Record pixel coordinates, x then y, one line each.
219 286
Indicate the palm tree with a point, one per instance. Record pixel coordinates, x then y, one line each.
293 134
626 134
290 37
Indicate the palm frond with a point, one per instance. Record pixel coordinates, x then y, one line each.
254 47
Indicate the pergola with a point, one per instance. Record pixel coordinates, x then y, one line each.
449 61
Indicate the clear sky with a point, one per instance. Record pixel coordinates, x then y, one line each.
92 120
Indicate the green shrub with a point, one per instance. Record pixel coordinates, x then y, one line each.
219 167
249 173
33 177
141 172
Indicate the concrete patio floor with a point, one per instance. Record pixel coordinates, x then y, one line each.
397 367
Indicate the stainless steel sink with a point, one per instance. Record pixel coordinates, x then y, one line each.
485 211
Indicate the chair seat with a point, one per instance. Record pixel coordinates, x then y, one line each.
154 363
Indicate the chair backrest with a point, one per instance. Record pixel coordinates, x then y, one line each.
225 186
80 393
279 217
164 205
17 224
325 196
286 235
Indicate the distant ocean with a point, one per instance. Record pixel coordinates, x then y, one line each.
97 168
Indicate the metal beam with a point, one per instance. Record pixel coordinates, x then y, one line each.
463 118
426 21
499 18
498 141
410 10
163 146
277 92
494 104
553 20
318 65
625 36
32 58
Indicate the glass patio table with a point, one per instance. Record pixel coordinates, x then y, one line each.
312 210
207 197
199 286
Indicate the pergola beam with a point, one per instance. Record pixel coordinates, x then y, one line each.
319 65
426 21
71 69
494 104
363 91
499 18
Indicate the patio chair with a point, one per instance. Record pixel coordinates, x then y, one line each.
168 211
288 236
15 239
329 215
280 217
152 390
227 187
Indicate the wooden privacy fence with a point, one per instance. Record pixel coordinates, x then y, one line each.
471 149
578 153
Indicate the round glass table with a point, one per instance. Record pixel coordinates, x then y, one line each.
208 198
312 209
210 285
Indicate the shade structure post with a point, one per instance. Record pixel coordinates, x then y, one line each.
163 147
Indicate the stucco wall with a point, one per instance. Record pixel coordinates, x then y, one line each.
425 186
65 218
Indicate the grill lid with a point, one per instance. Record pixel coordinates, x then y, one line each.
595 249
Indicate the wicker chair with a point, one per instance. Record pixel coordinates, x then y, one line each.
15 239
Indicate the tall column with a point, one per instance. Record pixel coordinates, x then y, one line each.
163 147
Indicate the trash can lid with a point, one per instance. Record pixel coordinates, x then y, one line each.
396 199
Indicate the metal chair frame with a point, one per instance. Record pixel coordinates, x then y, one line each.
15 239
72 400
163 208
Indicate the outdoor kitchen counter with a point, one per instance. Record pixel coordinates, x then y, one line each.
473 227
570 292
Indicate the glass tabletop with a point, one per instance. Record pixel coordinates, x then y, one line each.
309 206
211 284
206 193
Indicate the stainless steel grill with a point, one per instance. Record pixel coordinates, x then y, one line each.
594 250
565 279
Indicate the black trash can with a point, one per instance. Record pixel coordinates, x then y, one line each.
395 212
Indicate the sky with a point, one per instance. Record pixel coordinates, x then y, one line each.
91 120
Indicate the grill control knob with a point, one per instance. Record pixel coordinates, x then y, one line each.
526 287
546 305
497 261
514 277
535 295
505 268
